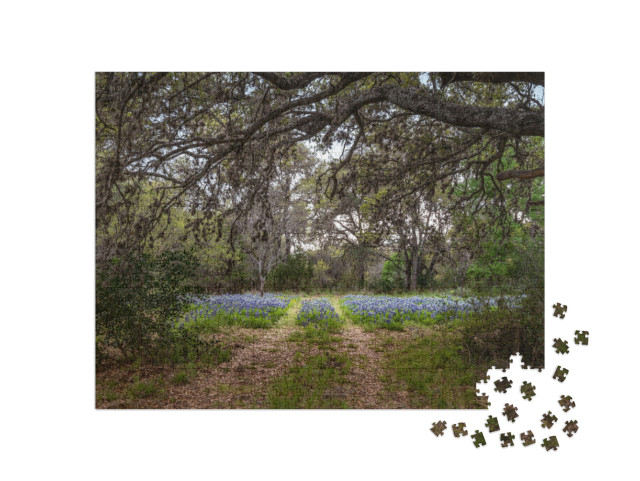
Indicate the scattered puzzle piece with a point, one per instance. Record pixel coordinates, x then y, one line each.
478 439
503 384
570 427
582 337
511 412
527 438
562 347
548 420
551 443
527 390
459 430
566 402
492 424
438 428
507 439
559 310
560 374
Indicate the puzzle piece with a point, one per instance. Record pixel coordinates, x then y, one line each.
527 390
582 337
551 443
566 402
483 399
478 438
438 428
459 430
559 310
509 366
507 439
511 412
527 438
492 424
548 420
560 374
570 427
562 347
503 384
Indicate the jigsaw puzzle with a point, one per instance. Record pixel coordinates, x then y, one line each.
562 347
527 390
503 384
570 427
507 439
559 310
511 412
478 439
459 430
438 428
551 443
548 420
527 438
492 424
582 337
560 374
566 402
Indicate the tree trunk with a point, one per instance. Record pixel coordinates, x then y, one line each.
261 286
414 269
407 272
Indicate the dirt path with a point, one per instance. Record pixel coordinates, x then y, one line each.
261 356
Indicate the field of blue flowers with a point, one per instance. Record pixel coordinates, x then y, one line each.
394 312
370 312
319 314
245 310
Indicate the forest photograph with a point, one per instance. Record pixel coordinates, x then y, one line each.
309 240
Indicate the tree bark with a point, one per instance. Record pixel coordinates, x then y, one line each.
415 258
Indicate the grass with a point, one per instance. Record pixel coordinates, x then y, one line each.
145 389
433 373
318 383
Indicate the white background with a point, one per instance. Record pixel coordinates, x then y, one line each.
49 428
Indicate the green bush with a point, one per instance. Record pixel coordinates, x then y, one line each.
137 299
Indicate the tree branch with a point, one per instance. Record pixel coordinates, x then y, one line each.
521 174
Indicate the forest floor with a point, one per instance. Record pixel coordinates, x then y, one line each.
288 366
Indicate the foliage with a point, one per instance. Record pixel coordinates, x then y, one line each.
137 299
294 274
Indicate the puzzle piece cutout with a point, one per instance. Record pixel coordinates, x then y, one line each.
560 374
582 337
511 412
527 438
548 420
551 443
492 424
439 428
459 430
566 402
478 439
507 439
559 310
562 347
503 384
570 427
528 390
